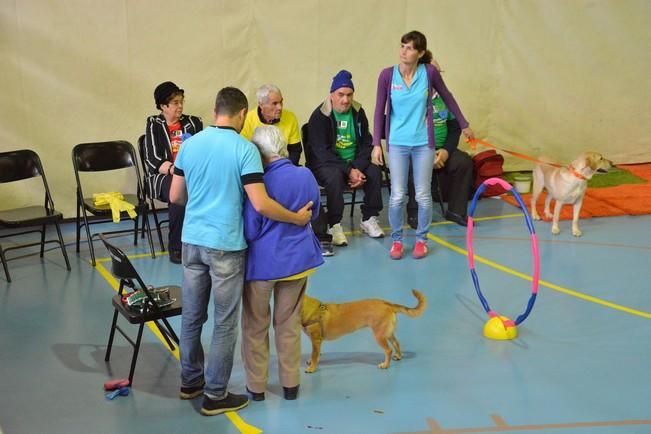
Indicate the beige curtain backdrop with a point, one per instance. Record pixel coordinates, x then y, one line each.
542 77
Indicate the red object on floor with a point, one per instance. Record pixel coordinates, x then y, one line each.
116 384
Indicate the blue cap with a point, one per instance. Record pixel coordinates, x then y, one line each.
342 79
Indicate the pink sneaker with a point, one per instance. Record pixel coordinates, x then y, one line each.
420 250
396 250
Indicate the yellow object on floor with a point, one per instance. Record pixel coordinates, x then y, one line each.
500 328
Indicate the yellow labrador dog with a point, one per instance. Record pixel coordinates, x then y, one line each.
328 321
566 185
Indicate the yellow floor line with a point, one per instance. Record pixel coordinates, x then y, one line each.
233 416
445 222
549 285
239 423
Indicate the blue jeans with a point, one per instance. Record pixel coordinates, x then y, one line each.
222 273
421 159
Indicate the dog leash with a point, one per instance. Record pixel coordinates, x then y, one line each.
576 173
474 142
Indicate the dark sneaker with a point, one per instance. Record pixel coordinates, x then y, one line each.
231 402
290 393
255 396
326 248
175 256
191 392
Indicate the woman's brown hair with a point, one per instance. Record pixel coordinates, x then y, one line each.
419 42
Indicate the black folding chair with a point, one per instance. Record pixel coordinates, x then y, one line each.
100 157
122 268
149 195
17 166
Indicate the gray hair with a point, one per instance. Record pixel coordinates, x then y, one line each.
270 141
262 94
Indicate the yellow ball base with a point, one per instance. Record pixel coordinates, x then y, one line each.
495 329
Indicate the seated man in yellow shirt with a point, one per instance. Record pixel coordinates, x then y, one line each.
270 112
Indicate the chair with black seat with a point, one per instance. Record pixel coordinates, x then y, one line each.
148 310
101 157
149 196
17 166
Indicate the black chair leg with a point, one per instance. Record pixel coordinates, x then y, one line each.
63 246
136 349
438 191
167 333
157 223
151 242
142 226
107 356
352 203
3 258
170 330
89 238
78 227
135 228
43 229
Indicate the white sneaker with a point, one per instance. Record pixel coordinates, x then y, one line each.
372 228
338 236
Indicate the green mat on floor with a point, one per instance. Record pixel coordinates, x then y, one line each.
615 176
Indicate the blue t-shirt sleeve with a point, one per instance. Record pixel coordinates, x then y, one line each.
252 222
251 161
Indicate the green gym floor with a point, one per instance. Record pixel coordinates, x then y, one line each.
579 365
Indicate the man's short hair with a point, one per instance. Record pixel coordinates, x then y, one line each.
229 101
262 94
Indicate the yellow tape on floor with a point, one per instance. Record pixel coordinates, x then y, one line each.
549 285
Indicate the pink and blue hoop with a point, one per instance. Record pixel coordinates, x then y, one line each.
534 250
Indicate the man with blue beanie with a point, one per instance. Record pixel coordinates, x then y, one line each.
339 154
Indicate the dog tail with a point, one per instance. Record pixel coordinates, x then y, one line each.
413 312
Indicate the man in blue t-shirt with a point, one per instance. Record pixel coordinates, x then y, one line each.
213 171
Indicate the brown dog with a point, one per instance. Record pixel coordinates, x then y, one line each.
566 185
328 321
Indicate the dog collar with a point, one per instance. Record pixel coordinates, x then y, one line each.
575 173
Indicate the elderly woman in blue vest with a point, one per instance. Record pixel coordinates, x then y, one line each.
403 116
280 257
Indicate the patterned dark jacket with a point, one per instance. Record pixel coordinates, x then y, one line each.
158 148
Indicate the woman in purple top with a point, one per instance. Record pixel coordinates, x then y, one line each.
403 117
